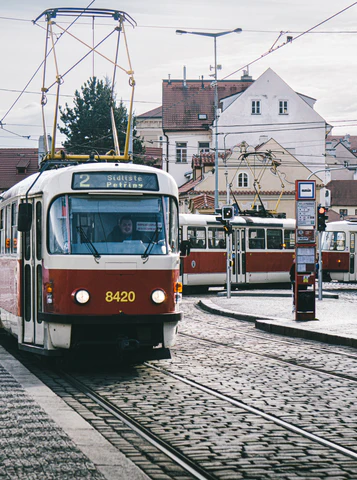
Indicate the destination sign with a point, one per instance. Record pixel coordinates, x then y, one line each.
115 181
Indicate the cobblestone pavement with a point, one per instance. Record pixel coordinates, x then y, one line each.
42 438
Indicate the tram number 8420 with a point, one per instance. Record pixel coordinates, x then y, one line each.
121 297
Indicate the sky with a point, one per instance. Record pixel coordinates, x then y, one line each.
320 62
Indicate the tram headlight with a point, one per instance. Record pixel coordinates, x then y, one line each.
158 296
81 296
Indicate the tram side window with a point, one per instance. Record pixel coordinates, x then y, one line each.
334 241
13 227
289 239
274 239
58 233
8 229
172 222
2 232
256 238
216 237
196 237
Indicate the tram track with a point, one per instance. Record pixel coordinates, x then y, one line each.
105 402
206 426
276 358
175 455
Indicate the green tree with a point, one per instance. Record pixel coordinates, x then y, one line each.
87 126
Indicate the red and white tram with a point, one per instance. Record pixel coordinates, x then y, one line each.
262 251
65 284
338 249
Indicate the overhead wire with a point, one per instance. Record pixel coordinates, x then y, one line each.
272 49
290 41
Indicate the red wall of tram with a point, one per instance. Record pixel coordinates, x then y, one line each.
111 291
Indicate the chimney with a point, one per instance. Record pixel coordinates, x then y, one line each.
184 76
43 147
246 77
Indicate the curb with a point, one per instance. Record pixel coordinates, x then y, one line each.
261 324
269 325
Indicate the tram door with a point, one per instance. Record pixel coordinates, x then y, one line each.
353 257
32 278
238 254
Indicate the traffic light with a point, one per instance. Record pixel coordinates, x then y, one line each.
321 218
226 224
227 212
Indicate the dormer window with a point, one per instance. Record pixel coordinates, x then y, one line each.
22 165
256 107
283 107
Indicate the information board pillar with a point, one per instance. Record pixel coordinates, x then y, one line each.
305 250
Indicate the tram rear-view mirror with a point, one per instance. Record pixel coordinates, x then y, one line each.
24 220
185 248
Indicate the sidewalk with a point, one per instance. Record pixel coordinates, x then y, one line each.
271 310
43 438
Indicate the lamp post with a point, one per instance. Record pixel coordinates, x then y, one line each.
214 36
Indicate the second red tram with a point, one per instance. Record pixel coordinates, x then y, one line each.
262 251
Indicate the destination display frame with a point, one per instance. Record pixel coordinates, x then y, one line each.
115 181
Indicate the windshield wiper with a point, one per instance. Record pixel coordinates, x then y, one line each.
152 242
88 243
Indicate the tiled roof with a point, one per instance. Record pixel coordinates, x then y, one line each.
203 202
343 192
13 158
153 152
182 104
352 139
190 185
155 113
204 159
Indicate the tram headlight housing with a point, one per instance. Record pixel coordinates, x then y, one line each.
81 296
158 296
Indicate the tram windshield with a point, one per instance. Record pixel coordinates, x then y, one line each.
334 241
130 225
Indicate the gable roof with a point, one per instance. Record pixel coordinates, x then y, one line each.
269 83
343 192
154 113
184 101
12 159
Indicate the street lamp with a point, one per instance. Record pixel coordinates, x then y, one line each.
214 36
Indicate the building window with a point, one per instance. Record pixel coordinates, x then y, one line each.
181 152
283 107
343 212
256 107
203 147
243 180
